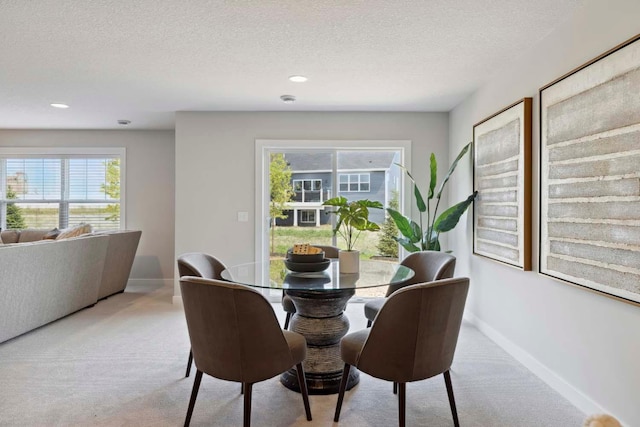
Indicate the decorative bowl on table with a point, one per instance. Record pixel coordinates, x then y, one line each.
305 258
307 267
306 262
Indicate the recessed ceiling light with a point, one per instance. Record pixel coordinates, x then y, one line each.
55 105
298 79
288 99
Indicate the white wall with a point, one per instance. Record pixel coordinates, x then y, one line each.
585 344
215 161
149 186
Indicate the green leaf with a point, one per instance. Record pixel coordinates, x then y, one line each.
417 232
402 222
405 243
433 166
449 218
452 168
420 204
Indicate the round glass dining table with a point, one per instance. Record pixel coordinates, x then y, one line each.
320 299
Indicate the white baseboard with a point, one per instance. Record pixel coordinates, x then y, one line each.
569 392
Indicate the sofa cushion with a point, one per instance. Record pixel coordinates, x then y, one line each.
31 235
51 235
75 231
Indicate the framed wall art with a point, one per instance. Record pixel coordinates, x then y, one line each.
590 174
502 177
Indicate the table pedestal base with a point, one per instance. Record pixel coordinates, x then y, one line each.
327 383
321 320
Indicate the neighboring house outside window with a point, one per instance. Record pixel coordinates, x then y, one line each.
47 188
354 182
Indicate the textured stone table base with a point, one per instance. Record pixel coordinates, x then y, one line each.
321 320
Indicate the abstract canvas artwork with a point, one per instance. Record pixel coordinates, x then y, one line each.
590 174
502 177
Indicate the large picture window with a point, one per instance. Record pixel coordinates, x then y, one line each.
46 188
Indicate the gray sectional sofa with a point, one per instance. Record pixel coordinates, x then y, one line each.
44 280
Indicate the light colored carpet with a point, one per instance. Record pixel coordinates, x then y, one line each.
122 363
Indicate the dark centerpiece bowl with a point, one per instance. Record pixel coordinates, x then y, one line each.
304 258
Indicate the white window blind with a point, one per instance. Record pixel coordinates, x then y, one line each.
46 190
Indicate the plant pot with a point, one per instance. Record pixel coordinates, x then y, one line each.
349 261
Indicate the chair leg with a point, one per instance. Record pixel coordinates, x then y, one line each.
452 402
369 323
194 395
343 387
286 321
189 363
241 388
402 404
247 404
302 382
395 387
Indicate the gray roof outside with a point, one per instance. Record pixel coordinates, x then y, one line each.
348 160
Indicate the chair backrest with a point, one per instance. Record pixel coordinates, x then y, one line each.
415 333
234 332
200 265
329 251
428 266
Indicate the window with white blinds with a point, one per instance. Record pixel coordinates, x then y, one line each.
47 188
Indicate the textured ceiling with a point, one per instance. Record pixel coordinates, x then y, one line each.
143 60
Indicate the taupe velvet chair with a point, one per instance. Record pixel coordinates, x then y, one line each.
413 338
235 336
428 265
287 302
200 265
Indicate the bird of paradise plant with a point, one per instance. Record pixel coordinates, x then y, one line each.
425 235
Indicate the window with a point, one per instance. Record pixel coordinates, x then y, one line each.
308 217
307 190
47 188
355 182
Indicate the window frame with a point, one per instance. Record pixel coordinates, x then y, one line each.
359 182
66 153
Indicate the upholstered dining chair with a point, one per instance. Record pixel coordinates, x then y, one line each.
287 302
235 336
200 265
413 338
428 266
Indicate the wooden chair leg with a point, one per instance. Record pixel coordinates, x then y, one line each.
189 363
247 404
286 321
343 387
194 395
302 382
369 323
452 401
395 387
402 404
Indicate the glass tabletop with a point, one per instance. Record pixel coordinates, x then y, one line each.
275 275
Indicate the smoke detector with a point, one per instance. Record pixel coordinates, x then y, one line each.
124 122
288 99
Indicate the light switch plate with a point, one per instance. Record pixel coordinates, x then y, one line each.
243 216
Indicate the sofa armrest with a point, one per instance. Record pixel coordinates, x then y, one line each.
119 260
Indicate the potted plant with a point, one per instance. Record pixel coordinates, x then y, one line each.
352 219
425 235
